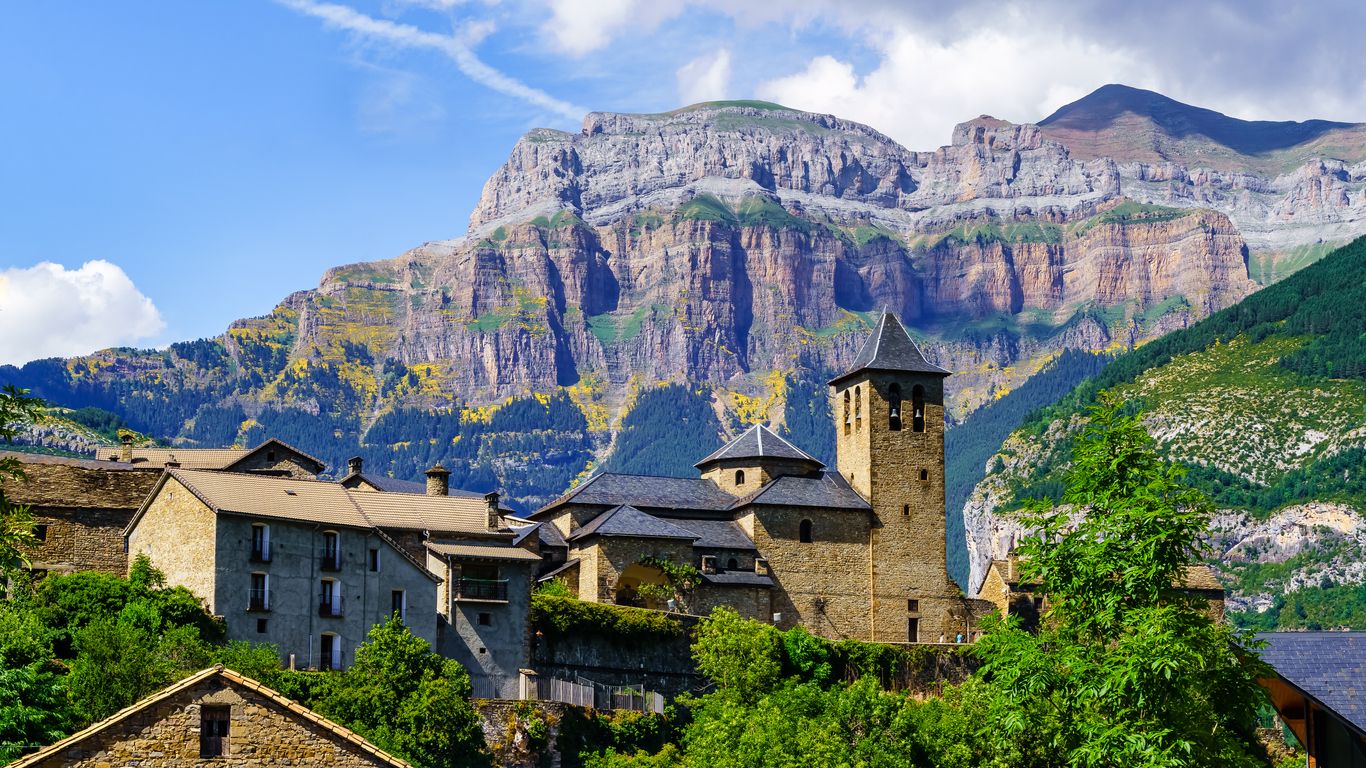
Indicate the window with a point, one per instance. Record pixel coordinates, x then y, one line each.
708 564
260 626
329 599
804 532
214 725
894 408
270 456
848 418
858 408
761 566
260 543
331 552
918 409
1038 605
485 619
374 560
40 532
258 599
329 652
905 510
924 475
912 630
398 604
732 564
913 605
739 477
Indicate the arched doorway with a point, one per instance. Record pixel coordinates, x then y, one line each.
630 580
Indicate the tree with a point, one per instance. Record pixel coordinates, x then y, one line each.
16 524
408 699
744 657
1126 669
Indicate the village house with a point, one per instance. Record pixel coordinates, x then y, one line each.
311 566
215 717
271 457
80 508
1316 688
857 551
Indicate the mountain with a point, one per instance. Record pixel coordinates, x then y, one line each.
1266 403
735 247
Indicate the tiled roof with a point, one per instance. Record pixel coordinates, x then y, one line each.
890 348
759 442
424 513
647 492
60 482
483 551
718 534
738 579
199 458
829 491
626 520
188 458
218 670
1329 666
283 498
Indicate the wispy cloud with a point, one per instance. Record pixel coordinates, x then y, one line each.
455 47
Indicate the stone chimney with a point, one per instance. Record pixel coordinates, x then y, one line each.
126 453
354 464
438 481
495 521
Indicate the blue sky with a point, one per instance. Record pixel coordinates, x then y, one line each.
179 165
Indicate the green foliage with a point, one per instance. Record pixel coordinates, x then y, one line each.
807 655
1126 669
666 430
107 423
563 616
598 738
33 709
555 587
17 409
680 578
744 657
407 699
1339 606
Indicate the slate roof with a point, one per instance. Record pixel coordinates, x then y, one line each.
890 348
292 707
718 534
566 565
829 491
200 458
61 482
626 520
759 442
388 484
738 579
647 491
483 551
1328 666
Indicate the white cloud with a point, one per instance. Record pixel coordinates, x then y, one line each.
48 310
456 47
705 78
579 27
923 85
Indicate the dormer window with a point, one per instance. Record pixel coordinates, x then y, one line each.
708 564
739 477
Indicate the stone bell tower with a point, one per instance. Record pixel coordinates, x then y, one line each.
889 427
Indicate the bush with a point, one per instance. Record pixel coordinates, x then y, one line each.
566 615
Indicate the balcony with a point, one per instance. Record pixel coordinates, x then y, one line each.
331 561
259 601
330 606
493 590
260 554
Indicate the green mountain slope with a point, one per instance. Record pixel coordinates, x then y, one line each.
1266 403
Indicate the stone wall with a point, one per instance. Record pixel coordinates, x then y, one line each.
821 585
603 559
277 461
750 602
178 532
262 733
80 540
662 664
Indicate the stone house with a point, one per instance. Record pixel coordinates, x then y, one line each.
1316 688
271 457
854 552
80 507
214 717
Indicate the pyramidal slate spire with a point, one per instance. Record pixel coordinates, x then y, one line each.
890 348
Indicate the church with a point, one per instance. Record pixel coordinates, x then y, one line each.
854 551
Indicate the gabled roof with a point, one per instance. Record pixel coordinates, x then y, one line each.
61 482
718 534
232 678
626 520
829 491
890 348
482 550
457 514
201 458
1327 666
759 442
646 491
384 483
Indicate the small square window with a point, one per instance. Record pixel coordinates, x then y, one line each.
924 475
374 560
483 650
485 619
40 531
260 626
913 605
